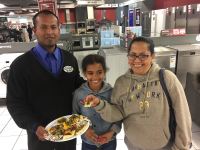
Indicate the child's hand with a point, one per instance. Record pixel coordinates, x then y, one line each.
90 100
90 134
105 138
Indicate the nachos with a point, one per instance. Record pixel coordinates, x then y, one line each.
65 128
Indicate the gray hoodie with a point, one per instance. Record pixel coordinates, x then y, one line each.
99 125
142 104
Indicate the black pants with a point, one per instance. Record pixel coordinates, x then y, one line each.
35 144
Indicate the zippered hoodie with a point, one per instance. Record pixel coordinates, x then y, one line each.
99 125
141 103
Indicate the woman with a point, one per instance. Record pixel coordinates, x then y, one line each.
138 100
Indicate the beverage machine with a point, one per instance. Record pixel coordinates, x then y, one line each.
180 15
193 19
170 18
157 22
146 23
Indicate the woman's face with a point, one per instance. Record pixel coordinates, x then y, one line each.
95 75
140 58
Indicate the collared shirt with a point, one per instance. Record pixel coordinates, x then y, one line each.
51 61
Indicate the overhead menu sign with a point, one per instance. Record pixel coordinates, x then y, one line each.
129 2
48 5
90 2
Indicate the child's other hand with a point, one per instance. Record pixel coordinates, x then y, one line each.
105 138
90 134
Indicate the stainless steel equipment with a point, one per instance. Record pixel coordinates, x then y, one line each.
180 15
116 61
146 23
188 60
85 42
81 28
193 20
165 57
170 18
192 91
90 25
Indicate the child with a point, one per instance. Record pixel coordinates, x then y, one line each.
101 135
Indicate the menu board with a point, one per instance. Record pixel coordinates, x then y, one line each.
50 5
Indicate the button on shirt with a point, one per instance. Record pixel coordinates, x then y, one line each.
51 61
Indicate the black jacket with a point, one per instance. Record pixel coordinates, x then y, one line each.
35 96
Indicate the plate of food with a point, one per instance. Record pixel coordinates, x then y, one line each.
67 128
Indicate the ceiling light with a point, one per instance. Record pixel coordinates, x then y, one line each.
11 13
2 6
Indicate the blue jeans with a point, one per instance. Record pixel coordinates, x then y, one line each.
108 146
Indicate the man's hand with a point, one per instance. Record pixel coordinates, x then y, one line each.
41 133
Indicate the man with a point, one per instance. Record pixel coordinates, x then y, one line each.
30 32
41 83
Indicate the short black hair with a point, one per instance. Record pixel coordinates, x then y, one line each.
43 12
143 39
93 59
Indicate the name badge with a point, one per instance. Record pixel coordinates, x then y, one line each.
68 69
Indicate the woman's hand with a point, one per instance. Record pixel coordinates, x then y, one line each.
90 134
106 137
92 100
41 133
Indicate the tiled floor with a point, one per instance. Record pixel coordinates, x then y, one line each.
14 138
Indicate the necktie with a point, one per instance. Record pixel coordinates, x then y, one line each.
52 63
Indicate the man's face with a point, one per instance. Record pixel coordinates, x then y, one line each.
47 30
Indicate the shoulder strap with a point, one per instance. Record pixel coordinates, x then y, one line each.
172 118
163 84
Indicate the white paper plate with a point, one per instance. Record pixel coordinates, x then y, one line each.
54 122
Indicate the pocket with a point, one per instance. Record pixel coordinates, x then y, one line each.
145 135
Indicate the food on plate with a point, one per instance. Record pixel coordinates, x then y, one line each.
67 127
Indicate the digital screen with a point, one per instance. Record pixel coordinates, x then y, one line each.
81 25
77 43
87 43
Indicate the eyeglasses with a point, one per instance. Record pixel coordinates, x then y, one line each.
141 57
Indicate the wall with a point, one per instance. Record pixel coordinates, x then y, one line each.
98 14
111 14
61 15
159 4
72 15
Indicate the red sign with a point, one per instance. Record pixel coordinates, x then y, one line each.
48 5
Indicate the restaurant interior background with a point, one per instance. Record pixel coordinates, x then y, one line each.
106 27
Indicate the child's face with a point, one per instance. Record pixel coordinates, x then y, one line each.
95 74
